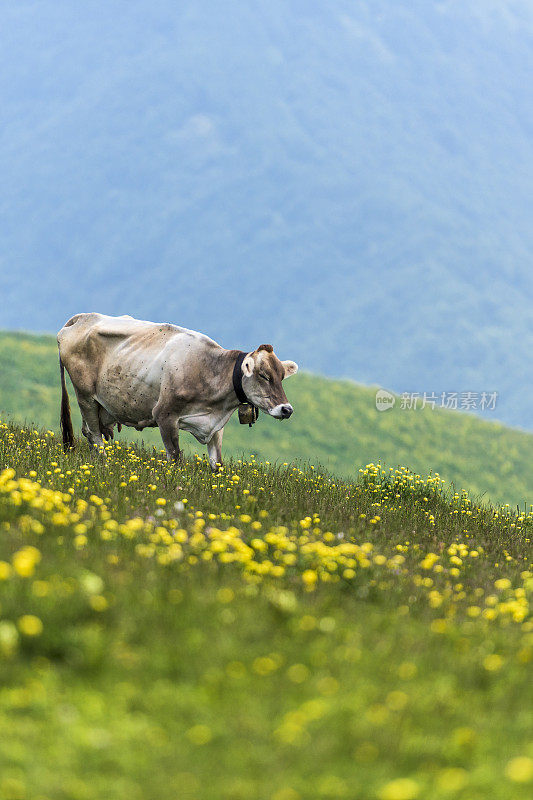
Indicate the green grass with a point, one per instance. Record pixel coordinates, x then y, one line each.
269 633
335 424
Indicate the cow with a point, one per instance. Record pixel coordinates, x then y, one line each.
141 374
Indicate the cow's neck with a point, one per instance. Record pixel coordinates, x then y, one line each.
211 411
226 378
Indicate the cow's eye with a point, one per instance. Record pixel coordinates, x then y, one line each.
264 376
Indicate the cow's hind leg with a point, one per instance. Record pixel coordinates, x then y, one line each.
169 427
214 450
107 423
91 421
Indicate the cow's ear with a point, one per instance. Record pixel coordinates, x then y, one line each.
248 366
290 367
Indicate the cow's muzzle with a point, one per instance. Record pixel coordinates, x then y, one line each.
283 411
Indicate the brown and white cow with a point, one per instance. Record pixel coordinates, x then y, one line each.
144 374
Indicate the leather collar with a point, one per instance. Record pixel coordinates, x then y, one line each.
237 386
237 378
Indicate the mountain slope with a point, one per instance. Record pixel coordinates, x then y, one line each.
335 424
348 180
262 634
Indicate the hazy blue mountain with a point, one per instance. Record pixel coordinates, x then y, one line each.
350 180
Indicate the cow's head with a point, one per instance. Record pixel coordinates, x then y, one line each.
262 373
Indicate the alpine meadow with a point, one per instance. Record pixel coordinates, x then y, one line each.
271 631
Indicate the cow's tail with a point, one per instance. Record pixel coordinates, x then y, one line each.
66 421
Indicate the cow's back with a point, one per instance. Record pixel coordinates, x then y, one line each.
90 327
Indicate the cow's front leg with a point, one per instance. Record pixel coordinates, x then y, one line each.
169 427
214 450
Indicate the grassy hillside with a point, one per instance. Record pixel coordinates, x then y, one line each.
264 634
335 424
